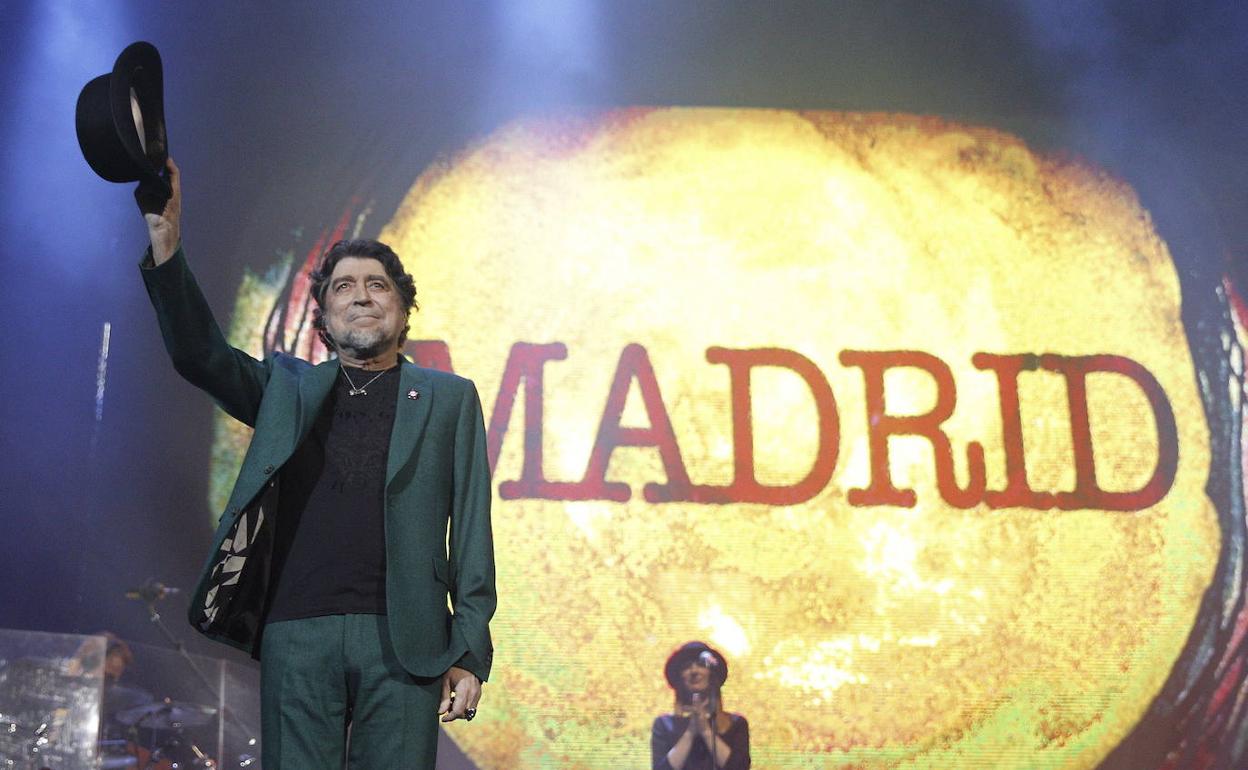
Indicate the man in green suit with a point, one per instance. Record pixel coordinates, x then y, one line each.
331 561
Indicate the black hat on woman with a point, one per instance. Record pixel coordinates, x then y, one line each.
691 652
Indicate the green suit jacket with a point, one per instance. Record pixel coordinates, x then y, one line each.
437 477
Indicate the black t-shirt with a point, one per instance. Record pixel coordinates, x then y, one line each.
330 543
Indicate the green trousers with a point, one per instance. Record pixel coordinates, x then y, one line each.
324 678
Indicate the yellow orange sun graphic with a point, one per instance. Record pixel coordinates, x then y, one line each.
896 412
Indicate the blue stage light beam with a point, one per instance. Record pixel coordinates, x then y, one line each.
547 54
59 204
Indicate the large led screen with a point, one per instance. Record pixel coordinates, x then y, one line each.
906 418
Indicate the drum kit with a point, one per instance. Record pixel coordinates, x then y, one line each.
154 736
43 706
71 712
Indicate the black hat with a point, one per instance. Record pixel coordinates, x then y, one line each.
109 108
688 653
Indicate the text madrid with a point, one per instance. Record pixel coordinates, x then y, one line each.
526 365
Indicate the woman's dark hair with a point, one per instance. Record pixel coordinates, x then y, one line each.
364 248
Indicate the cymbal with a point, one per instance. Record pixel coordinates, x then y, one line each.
166 715
120 697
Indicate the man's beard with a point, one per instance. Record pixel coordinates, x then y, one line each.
364 345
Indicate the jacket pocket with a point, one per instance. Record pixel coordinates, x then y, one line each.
442 571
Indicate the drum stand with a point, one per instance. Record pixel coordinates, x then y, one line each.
226 713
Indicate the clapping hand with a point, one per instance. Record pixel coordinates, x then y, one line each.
700 716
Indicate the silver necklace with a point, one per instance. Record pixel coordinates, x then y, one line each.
360 391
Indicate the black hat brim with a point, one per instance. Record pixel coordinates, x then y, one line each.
105 122
687 653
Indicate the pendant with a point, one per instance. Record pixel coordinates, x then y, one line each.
357 392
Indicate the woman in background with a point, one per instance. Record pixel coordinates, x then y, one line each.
699 728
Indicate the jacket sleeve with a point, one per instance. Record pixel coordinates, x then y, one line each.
198 349
474 597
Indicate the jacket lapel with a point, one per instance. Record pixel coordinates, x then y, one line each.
415 401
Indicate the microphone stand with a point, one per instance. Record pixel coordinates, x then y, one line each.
154 616
227 713
714 704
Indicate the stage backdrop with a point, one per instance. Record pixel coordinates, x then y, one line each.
894 349
899 414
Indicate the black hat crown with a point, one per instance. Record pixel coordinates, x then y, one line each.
112 110
689 652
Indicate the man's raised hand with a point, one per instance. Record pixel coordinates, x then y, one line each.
164 217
